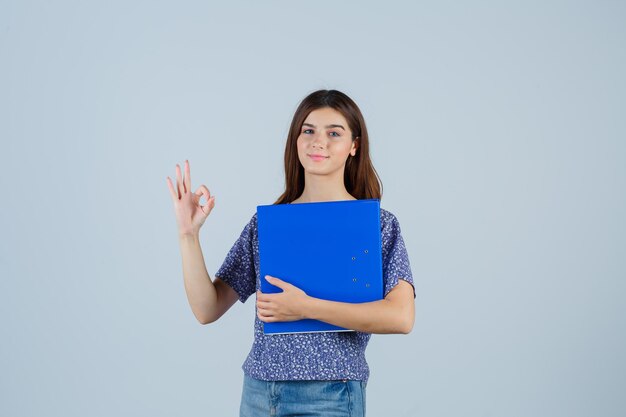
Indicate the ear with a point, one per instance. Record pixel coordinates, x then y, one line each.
355 145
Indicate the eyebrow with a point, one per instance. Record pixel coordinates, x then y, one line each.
327 126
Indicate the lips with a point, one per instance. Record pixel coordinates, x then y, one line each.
318 157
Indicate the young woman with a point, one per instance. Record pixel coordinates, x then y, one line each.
326 159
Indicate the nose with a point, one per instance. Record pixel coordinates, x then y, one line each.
317 142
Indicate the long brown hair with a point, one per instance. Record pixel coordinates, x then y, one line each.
360 178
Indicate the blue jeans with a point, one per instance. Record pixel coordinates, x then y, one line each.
342 398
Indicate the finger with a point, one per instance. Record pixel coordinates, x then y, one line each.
260 315
264 297
171 187
187 177
210 200
265 311
179 182
264 318
268 297
203 191
265 305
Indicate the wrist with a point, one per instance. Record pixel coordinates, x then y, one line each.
189 237
308 307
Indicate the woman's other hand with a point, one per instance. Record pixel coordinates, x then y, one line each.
288 305
190 215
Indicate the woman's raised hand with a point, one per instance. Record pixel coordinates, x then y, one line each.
190 215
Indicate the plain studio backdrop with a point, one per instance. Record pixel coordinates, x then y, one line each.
497 128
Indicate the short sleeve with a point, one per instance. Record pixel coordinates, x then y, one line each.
238 269
396 263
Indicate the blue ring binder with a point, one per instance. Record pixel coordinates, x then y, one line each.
331 250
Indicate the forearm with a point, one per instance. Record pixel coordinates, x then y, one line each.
373 317
201 292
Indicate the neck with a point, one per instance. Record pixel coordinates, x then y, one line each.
323 188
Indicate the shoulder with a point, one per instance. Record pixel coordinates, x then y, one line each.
252 225
388 221
390 232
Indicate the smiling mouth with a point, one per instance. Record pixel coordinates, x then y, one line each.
318 157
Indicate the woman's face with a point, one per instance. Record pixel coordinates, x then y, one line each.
325 141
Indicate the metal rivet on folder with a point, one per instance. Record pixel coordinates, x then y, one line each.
353 279
367 285
353 258
365 251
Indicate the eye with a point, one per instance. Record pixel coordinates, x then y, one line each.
307 130
335 134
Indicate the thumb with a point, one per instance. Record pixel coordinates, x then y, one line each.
276 281
206 209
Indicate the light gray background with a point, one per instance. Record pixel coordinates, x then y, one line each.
498 130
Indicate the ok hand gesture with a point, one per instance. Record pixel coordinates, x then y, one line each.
190 215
